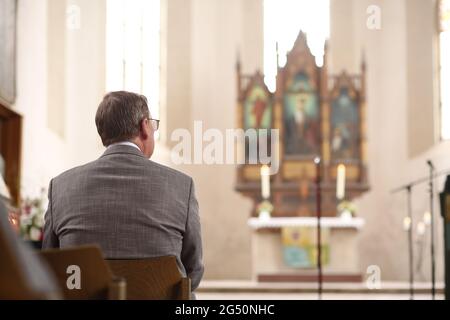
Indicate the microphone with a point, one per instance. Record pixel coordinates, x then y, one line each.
430 164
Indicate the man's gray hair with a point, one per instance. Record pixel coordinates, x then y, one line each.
119 116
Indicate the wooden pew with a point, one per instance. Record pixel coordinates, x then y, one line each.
152 278
96 279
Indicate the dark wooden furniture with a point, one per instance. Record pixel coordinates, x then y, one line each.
10 149
152 279
97 281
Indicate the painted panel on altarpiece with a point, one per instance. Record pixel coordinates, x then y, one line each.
344 126
301 118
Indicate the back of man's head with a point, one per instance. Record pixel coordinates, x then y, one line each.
119 116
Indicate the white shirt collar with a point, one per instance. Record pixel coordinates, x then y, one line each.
124 143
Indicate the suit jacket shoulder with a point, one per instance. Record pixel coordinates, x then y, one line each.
73 172
174 177
175 174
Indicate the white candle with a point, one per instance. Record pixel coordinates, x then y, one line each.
340 182
265 182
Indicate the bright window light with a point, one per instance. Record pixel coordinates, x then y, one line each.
283 19
133 48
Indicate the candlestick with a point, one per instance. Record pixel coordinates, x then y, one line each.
265 182
340 182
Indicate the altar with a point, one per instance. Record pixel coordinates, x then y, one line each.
268 264
318 166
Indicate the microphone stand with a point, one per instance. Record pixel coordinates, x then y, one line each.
408 187
421 180
433 261
319 216
410 244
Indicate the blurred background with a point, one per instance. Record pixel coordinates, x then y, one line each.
387 62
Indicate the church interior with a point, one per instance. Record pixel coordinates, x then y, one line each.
350 100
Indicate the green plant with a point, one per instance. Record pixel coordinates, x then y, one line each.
346 206
265 206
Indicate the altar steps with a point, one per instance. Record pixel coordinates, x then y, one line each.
250 287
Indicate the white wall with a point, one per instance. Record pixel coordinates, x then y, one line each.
85 80
43 153
46 150
401 122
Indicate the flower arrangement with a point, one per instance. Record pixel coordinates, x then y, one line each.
32 218
265 206
264 209
346 208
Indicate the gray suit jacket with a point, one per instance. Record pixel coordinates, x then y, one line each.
130 206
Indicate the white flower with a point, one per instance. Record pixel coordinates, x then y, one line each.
35 234
39 220
34 211
25 220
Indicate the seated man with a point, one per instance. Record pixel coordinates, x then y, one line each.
130 206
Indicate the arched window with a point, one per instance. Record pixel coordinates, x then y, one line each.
444 44
283 19
133 48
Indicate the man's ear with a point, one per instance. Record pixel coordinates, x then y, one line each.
144 129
